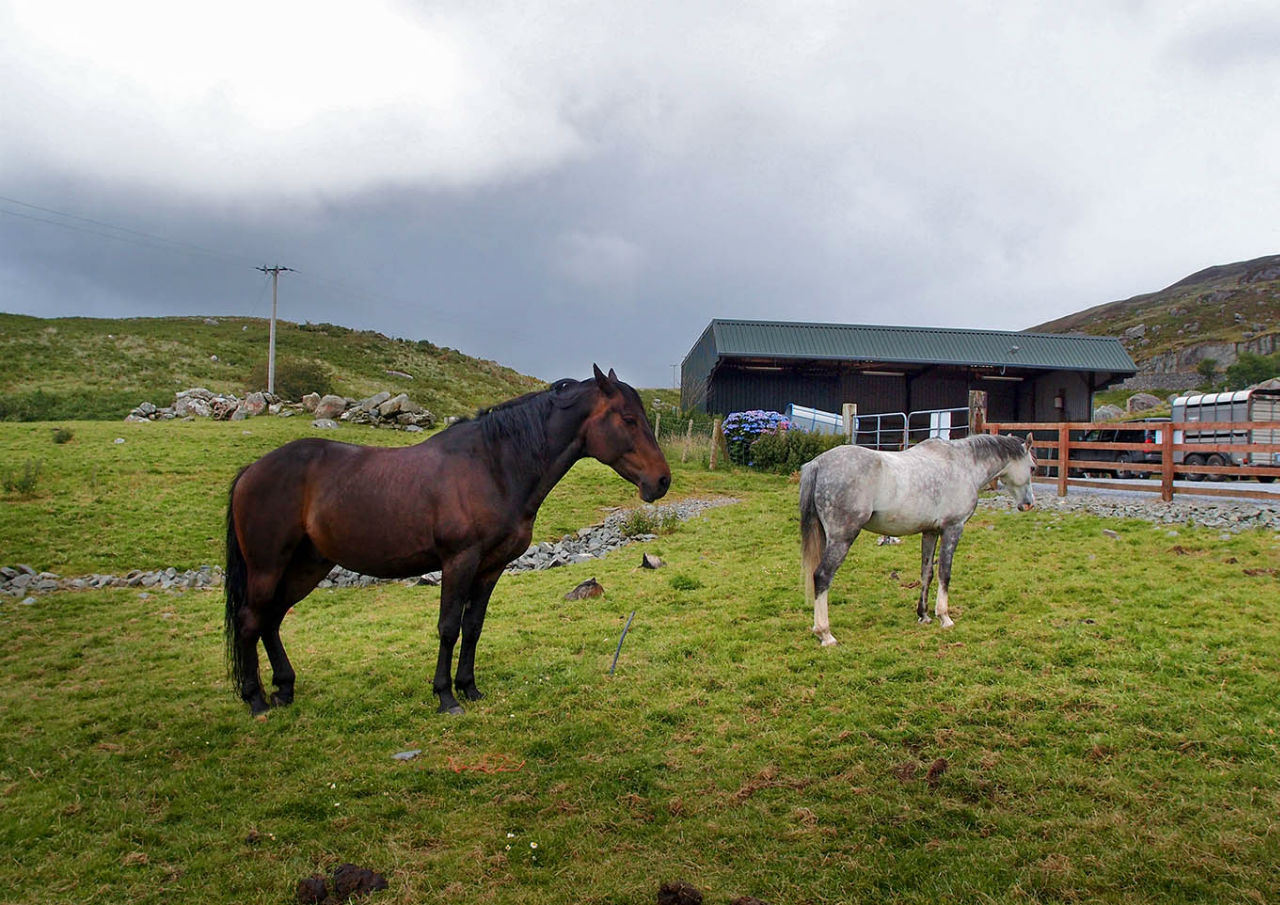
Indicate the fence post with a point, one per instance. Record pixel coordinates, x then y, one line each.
977 412
849 419
715 443
657 425
1166 463
1064 449
688 441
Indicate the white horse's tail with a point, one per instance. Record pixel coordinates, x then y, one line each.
813 537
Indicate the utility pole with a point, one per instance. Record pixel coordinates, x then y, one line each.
271 344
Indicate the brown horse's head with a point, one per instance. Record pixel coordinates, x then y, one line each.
617 432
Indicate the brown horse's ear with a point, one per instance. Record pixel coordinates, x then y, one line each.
607 385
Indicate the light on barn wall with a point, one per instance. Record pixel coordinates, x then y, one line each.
1060 400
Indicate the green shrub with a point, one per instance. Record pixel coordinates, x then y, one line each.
742 429
682 582
295 378
785 451
23 483
648 521
62 435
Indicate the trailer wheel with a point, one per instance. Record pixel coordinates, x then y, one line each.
1194 460
1216 460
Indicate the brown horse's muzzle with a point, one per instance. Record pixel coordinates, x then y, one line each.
654 490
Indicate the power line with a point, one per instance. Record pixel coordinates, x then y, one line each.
128 232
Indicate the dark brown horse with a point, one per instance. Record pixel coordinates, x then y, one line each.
462 501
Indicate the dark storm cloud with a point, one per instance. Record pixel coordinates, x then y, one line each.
552 184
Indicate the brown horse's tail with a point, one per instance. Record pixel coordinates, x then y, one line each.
813 537
236 584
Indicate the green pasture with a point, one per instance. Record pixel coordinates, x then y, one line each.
1100 725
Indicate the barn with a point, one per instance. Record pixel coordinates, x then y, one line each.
737 365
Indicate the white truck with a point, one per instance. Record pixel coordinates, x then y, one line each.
1257 404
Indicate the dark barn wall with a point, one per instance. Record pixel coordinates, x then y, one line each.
739 390
872 394
937 389
730 388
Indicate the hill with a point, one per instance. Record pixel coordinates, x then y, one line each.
1215 313
100 368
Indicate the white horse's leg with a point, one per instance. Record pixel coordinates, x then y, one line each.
928 546
950 539
821 621
837 549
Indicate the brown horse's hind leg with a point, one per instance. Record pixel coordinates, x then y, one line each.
248 630
305 572
472 625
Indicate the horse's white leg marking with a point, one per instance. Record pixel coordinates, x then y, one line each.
950 538
941 607
821 621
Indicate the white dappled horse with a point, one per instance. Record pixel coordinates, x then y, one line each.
930 489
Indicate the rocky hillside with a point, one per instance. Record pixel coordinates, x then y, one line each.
95 368
1216 313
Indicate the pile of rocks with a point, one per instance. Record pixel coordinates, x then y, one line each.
380 410
21 580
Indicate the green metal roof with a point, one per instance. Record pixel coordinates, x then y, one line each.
918 345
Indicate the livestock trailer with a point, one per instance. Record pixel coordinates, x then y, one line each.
1242 405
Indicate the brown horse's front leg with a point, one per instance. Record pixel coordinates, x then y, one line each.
456 581
472 626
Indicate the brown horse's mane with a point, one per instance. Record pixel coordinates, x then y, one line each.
523 420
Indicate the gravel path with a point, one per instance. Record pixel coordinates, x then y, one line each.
1211 512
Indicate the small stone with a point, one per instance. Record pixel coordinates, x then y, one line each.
588 588
1109 533
407 755
649 561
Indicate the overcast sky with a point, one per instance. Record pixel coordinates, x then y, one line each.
552 184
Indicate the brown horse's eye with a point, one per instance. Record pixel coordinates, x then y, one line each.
630 420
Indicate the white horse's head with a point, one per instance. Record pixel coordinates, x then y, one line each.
1016 476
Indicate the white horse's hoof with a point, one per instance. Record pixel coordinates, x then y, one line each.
946 622
924 620
826 638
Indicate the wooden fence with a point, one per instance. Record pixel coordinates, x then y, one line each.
1055 439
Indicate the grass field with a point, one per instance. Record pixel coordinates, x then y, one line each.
1100 725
